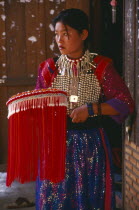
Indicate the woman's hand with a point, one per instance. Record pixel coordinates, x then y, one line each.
79 114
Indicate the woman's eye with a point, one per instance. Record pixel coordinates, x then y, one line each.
65 34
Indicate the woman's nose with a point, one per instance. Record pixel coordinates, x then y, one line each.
59 38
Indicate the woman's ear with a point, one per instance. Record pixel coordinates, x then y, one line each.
84 34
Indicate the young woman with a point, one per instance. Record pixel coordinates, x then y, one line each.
95 89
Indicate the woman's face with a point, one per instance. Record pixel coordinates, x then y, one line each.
69 41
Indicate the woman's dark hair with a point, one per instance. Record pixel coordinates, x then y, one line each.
74 18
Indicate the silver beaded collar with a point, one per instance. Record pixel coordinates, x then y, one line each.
65 65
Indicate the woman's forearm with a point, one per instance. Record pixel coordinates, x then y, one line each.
106 109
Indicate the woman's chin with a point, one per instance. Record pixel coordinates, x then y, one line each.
63 51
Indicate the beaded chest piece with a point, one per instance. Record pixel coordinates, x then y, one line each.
77 78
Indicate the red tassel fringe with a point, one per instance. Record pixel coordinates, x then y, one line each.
37 138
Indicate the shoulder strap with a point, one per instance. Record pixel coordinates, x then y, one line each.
101 63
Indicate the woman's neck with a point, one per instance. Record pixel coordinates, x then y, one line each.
76 56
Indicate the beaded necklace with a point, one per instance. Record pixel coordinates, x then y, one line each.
74 67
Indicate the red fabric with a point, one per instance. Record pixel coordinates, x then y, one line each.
37 136
112 84
101 63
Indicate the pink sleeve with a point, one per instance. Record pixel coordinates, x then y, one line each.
117 94
40 81
46 73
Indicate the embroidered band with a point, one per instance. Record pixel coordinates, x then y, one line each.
90 109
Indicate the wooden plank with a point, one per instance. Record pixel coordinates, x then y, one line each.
137 69
3 72
41 43
129 65
32 28
3 125
15 34
19 82
3 91
129 47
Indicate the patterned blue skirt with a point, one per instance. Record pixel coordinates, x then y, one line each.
85 184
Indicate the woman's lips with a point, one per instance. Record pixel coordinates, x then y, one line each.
61 47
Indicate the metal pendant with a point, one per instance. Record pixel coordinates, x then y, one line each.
73 98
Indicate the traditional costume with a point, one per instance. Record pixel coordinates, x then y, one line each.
88 180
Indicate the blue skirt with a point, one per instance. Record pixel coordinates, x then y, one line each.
85 184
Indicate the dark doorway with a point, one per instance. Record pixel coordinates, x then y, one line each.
107 40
